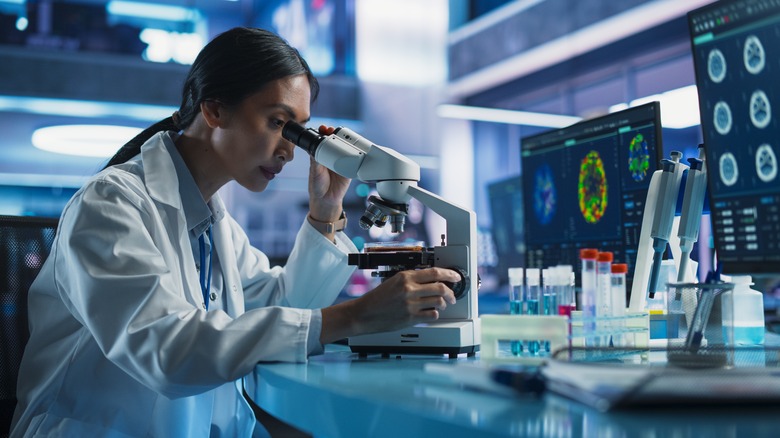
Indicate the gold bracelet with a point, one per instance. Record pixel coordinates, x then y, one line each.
329 227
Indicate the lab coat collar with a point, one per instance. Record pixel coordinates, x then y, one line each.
159 155
160 173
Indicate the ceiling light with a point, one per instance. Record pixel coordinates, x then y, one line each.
85 108
679 107
83 140
151 11
511 117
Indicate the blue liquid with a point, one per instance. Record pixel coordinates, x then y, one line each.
744 335
550 304
516 308
532 308
550 308
589 325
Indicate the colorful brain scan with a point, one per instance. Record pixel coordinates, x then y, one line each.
592 188
544 194
638 158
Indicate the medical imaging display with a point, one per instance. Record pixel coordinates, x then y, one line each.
736 52
585 186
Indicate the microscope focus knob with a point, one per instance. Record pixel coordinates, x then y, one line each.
461 287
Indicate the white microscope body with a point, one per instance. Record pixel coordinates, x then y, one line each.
458 329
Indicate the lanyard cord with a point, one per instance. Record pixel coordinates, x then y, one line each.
205 279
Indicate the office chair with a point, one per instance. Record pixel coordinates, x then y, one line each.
24 245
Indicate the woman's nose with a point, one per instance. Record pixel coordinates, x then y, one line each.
286 151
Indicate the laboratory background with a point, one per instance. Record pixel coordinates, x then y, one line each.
490 97
454 85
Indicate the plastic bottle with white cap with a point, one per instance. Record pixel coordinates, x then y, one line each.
743 313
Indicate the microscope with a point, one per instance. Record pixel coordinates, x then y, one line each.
395 176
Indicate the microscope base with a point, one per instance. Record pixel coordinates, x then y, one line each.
451 337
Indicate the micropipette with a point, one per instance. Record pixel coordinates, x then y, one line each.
690 216
661 229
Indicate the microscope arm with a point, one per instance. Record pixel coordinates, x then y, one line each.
461 223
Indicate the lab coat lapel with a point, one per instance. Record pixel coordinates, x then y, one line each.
163 186
223 244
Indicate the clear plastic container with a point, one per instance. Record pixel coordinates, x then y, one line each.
743 313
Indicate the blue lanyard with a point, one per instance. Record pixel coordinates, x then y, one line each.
205 279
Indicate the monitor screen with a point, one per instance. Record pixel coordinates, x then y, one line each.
506 212
736 53
586 186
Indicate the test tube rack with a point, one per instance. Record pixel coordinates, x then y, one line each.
560 331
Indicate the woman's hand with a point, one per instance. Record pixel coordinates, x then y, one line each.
326 189
406 298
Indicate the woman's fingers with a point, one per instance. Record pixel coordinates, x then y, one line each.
429 283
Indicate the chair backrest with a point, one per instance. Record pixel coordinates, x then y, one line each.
24 246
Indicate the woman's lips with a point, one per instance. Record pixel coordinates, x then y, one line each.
269 174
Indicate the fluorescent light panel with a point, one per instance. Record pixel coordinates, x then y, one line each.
41 180
679 107
83 140
85 108
151 11
526 118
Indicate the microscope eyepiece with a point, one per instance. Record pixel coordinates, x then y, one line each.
297 134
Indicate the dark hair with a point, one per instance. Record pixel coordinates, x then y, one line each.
234 65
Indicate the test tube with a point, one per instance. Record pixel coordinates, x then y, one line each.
566 299
588 298
549 296
533 292
604 294
550 292
516 284
619 271
603 283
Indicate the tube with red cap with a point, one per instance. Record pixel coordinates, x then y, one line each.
588 257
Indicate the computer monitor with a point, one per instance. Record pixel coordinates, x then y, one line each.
506 213
586 186
736 54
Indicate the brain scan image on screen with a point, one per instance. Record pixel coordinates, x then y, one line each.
766 163
592 188
545 198
754 55
728 169
716 66
638 158
722 118
760 109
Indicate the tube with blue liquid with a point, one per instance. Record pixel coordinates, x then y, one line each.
516 293
533 294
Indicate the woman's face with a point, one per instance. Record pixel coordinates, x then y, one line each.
250 145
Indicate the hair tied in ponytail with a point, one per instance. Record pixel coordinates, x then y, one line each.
176 119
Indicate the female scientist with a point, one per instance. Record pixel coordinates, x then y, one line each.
152 309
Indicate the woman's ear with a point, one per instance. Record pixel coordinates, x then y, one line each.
213 113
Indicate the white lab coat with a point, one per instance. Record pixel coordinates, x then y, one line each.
120 342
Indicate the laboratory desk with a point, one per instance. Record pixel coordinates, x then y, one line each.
339 394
